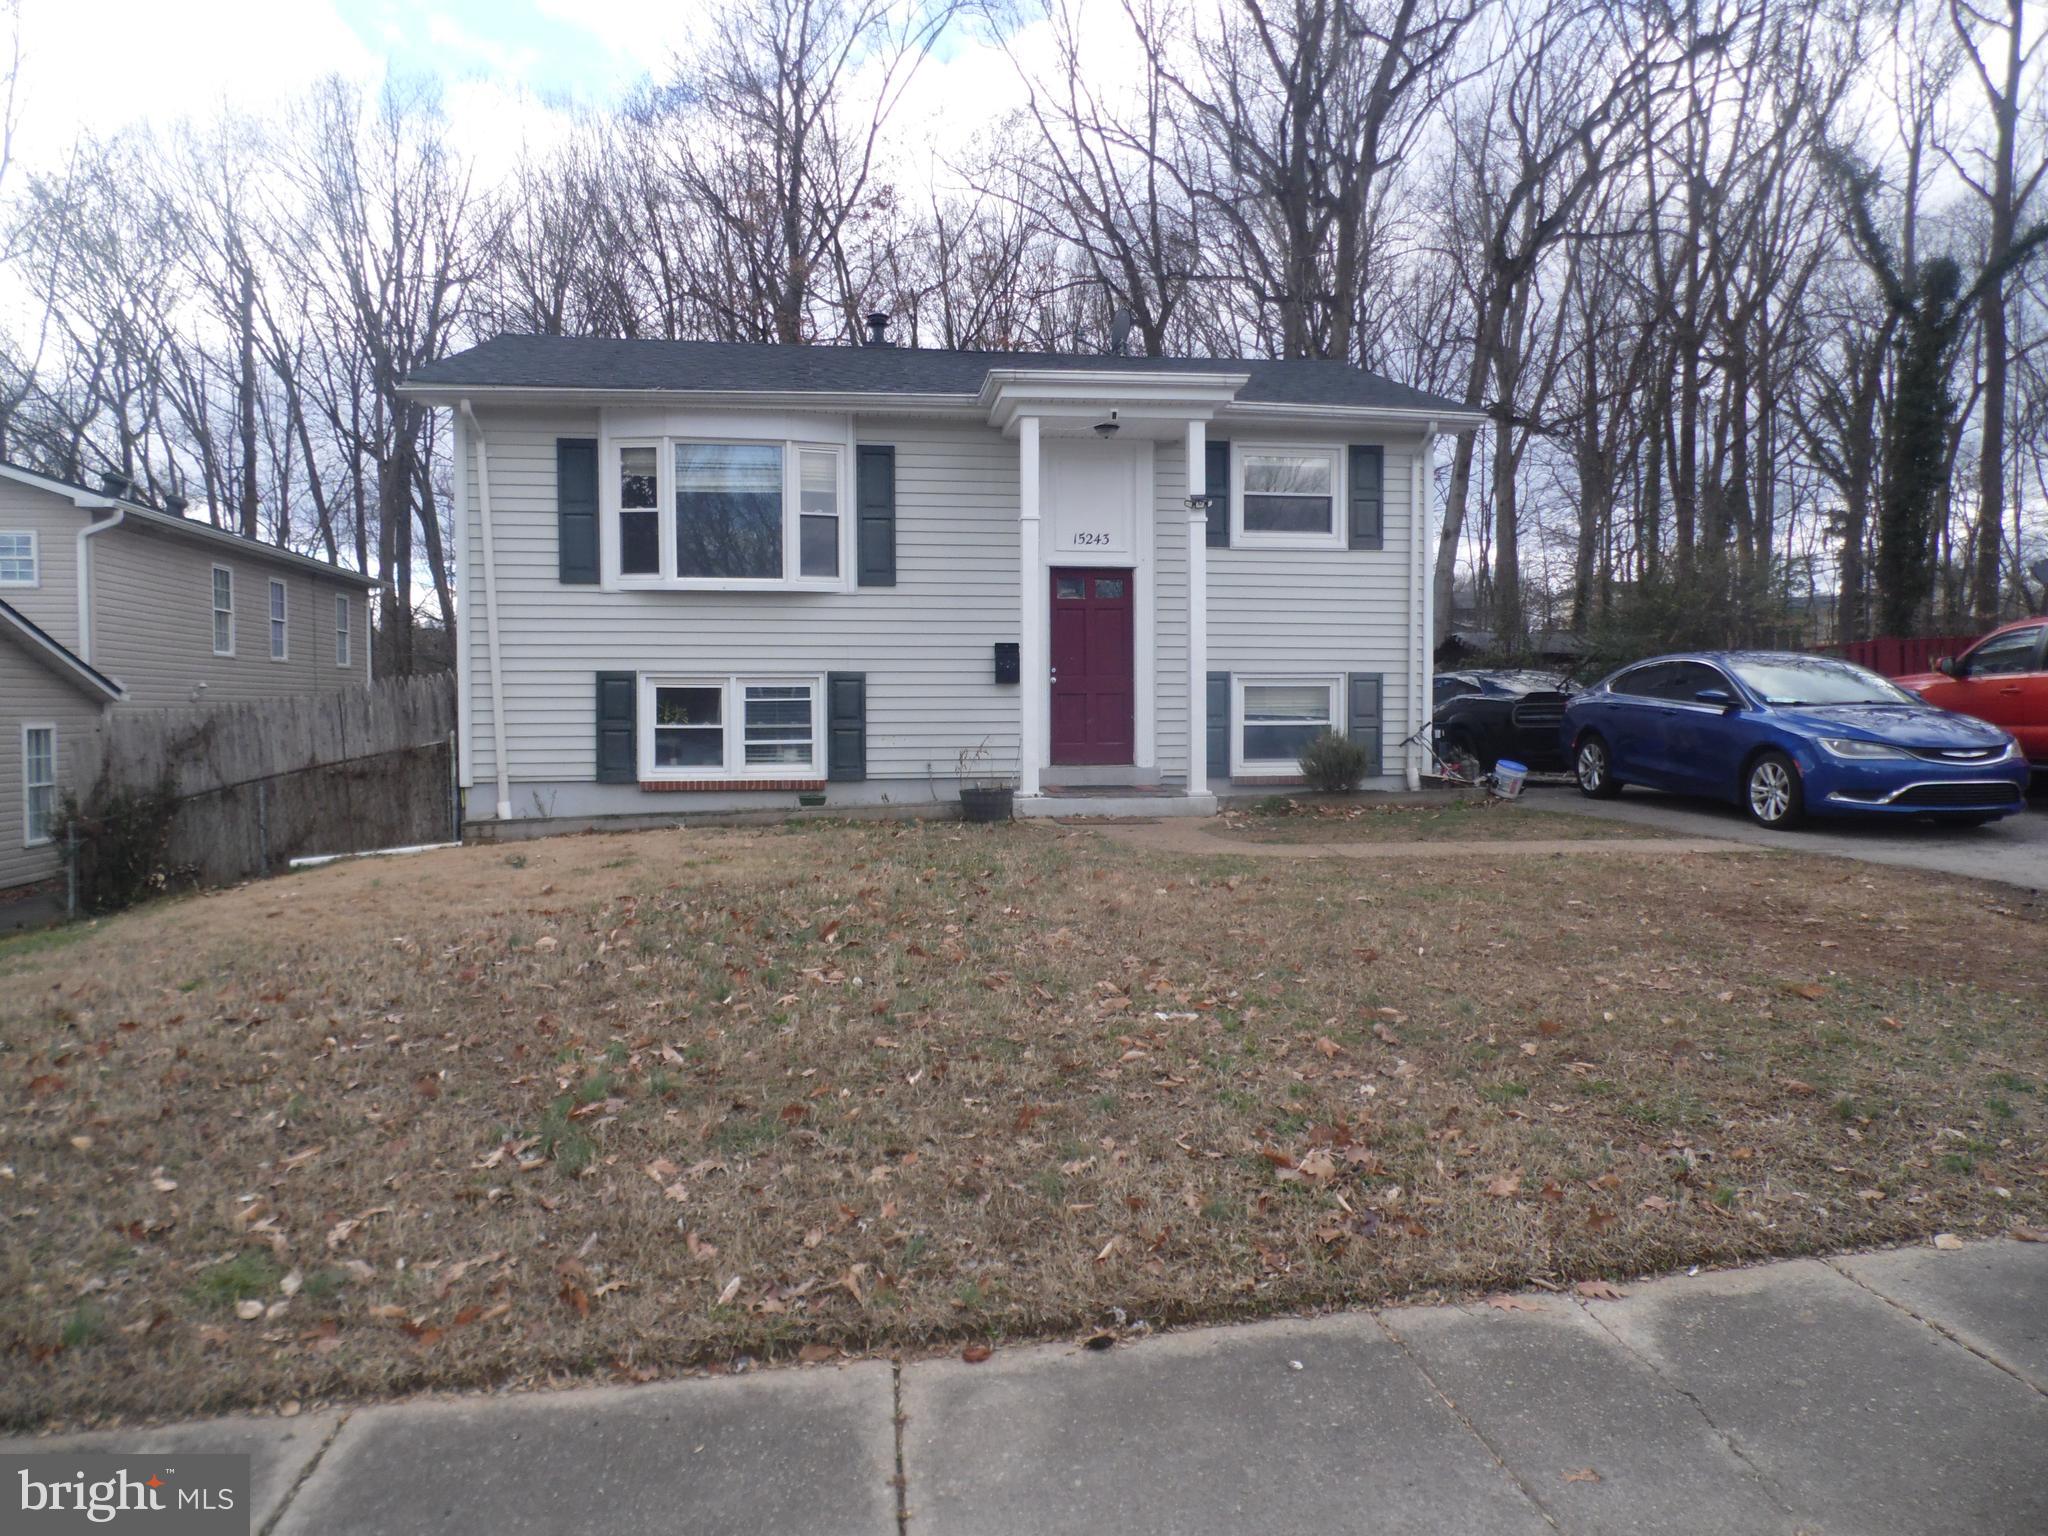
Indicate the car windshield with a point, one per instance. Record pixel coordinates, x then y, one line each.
1787 681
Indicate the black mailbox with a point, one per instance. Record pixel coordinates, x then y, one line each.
1008 668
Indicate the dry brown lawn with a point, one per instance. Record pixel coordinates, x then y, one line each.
1312 821
619 1106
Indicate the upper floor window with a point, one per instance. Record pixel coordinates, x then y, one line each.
18 559
280 634
1288 497
223 611
341 629
696 513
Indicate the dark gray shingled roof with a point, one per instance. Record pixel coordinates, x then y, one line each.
607 363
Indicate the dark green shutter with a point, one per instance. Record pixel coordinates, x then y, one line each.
1217 456
617 704
875 504
576 509
1362 722
1368 496
1219 727
846 725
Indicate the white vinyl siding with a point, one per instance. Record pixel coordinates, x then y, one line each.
51 604
926 644
1295 613
153 622
32 694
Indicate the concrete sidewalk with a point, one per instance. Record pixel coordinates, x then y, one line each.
1897 1392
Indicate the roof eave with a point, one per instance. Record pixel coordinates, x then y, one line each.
60 658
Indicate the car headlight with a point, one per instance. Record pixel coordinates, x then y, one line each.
1842 746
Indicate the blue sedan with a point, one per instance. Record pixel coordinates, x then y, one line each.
1787 736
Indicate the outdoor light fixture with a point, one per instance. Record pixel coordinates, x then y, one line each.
1107 428
1201 503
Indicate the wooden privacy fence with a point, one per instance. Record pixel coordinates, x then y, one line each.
1901 655
257 784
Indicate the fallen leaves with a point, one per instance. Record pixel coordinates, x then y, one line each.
1947 1242
976 1354
1599 1290
1583 1475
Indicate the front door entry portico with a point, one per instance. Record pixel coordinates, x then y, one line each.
1092 666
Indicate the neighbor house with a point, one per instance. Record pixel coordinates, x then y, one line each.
718 576
107 603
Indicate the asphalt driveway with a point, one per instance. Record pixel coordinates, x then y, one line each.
2014 850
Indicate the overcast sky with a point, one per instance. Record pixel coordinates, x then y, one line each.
509 67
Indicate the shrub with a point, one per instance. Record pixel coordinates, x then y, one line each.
1333 763
120 837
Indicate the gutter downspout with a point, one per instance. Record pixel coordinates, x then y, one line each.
85 579
1425 583
1418 533
483 512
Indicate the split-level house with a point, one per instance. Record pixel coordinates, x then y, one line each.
721 576
108 603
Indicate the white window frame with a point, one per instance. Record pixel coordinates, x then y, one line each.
793 448
341 629
28 785
1339 536
277 619
35 558
214 607
732 716
1255 768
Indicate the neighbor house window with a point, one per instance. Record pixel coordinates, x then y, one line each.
280 634
340 629
737 513
1280 716
730 727
18 559
39 783
640 510
223 611
1287 496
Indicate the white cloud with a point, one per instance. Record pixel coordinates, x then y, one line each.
101 65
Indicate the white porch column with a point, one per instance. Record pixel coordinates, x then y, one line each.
1033 668
1198 613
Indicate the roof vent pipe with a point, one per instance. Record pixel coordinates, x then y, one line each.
114 483
878 328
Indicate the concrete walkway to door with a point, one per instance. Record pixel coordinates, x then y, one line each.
1885 1394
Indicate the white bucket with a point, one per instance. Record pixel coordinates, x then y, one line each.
1507 778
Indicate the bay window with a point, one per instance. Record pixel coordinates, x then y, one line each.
693 513
1277 717
639 510
730 728
1288 497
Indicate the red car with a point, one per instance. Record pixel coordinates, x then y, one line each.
2003 678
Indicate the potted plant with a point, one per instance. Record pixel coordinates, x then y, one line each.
985 795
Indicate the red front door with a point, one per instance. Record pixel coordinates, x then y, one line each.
1091 666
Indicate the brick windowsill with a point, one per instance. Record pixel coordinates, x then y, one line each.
727 786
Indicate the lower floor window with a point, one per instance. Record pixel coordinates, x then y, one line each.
1278 718
39 782
731 727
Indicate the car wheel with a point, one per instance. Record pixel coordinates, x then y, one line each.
1594 770
1771 793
